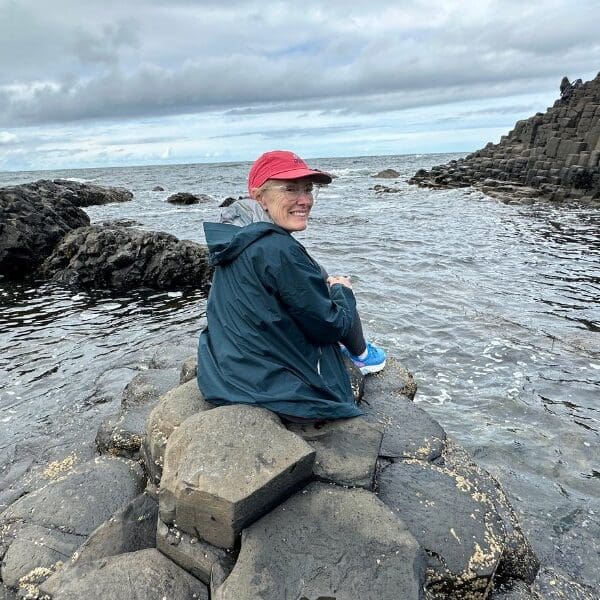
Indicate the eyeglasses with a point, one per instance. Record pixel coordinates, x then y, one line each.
293 190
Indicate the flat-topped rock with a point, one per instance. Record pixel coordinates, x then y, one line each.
408 431
193 554
347 450
36 547
81 500
146 574
226 467
453 520
185 198
387 174
173 409
327 542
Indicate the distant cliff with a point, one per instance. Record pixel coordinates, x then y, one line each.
554 155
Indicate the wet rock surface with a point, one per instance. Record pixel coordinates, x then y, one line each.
122 434
347 450
124 258
185 198
226 467
130 529
551 584
553 155
31 225
145 574
452 520
327 542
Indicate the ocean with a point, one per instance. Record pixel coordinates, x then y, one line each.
494 307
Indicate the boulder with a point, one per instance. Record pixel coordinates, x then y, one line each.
80 501
384 189
327 542
193 554
158 188
31 225
347 450
144 574
130 529
125 258
408 431
36 547
79 193
189 369
453 520
173 409
185 198
122 434
387 174
226 467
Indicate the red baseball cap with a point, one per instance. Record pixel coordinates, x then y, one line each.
281 164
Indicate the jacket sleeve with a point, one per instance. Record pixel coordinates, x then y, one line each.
324 314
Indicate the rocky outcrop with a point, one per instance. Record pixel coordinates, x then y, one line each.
553 155
387 174
31 225
123 258
390 509
327 542
185 198
226 467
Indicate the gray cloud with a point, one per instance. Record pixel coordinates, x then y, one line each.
152 58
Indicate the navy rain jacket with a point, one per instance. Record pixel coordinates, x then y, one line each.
273 326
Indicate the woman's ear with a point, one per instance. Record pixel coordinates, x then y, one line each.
257 194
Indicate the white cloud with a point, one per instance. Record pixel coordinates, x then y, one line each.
7 138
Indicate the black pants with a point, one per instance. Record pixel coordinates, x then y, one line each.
355 340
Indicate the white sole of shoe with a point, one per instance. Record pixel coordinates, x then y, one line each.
369 370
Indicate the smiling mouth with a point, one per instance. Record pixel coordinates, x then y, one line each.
298 213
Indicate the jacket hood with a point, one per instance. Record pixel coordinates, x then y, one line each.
226 242
243 212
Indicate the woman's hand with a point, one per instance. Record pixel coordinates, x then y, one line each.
341 279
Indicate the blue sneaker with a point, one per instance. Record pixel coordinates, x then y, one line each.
373 363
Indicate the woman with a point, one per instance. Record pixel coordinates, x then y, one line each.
274 323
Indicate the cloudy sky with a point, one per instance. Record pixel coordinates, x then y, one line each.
154 82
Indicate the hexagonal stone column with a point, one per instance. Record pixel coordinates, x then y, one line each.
226 467
327 542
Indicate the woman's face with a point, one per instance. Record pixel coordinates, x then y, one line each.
288 202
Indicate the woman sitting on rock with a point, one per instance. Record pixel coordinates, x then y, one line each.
276 324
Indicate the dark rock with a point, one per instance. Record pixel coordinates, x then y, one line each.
551 156
551 584
158 188
130 529
31 225
80 501
185 198
347 450
37 547
518 561
192 554
144 574
122 434
121 223
452 520
229 201
387 174
357 379
518 591
80 194
225 467
408 431
327 542
120 258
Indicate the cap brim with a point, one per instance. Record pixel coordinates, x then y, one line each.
318 176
